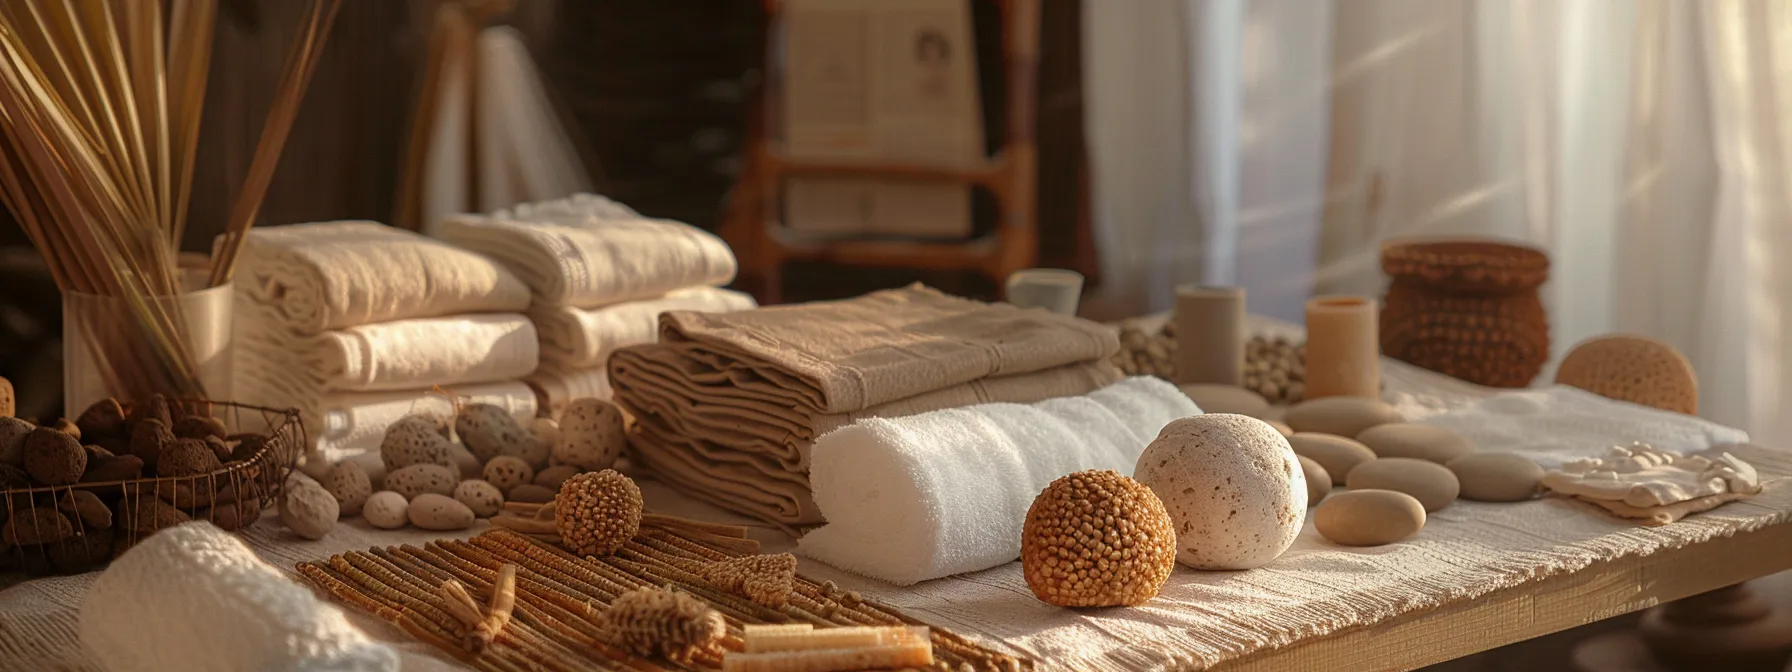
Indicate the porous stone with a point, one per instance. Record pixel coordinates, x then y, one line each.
529 493
12 440
1337 454
350 485
483 498
104 418
552 477
119 468
1232 485
1368 517
431 511
86 507
1497 477
41 525
1429 482
386 510
149 437
187 457
53 457
1339 416
489 431
200 427
592 435
418 479
415 439
507 472
1419 442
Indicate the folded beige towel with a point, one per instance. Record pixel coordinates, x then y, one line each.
397 355
578 338
727 405
581 252
330 275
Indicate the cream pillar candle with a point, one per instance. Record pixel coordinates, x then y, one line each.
1343 347
1209 335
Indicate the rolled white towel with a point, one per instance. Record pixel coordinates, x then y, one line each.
583 252
330 275
574 338
195 598
925 496
397 355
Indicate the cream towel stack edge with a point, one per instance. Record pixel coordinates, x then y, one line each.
196 598
925 496
600 274
356 323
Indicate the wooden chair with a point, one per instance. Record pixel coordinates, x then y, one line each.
753 225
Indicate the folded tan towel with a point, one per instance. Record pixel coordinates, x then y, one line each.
727 404
843 356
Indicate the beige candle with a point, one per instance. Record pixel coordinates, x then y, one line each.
1343 347
1209 335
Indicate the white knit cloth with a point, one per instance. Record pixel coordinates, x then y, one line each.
924 496
1201 618
195 598
330 275
589 251
1559 424
577 338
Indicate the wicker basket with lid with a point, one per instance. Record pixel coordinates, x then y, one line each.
1467 308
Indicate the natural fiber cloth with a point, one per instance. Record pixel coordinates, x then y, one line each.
330 275
397 355
588 251
1559 424
1202 618
580 338
924 496
195 598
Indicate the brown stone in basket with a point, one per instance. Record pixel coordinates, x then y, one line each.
1467 309
1634 369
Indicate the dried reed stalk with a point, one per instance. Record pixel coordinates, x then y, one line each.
100 107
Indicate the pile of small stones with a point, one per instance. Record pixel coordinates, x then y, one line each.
1274 367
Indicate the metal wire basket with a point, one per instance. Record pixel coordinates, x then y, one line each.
67 529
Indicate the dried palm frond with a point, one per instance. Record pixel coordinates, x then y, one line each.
100 108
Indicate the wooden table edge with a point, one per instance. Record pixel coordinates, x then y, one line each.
1535 608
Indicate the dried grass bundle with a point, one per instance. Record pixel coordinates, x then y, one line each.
100 104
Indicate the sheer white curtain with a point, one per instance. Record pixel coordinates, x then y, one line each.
1647 145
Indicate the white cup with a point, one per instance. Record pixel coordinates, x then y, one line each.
1055 289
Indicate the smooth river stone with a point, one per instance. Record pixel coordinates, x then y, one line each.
1368 517
1281 427
1337 454
1319 483
1429 482
1420 442
1215 398
1497 477
1343 416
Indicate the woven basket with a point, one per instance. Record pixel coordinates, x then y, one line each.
231 497
1469 309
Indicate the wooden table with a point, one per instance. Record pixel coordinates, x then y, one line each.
1536 609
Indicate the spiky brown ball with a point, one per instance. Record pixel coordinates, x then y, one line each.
597 512
1097 539
649 621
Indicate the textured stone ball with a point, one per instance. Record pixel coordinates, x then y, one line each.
1097 539
597 512
1233 486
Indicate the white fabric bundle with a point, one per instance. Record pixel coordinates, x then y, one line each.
402 354
589 251
1560 424
574 338
925 496
195 598
329 275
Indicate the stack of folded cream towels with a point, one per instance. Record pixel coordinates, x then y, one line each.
727 405
357 324
600 274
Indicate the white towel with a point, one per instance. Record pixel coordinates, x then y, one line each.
195 598
941 493
1559 424
555 387
397 355
587 251
584 337
330 275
